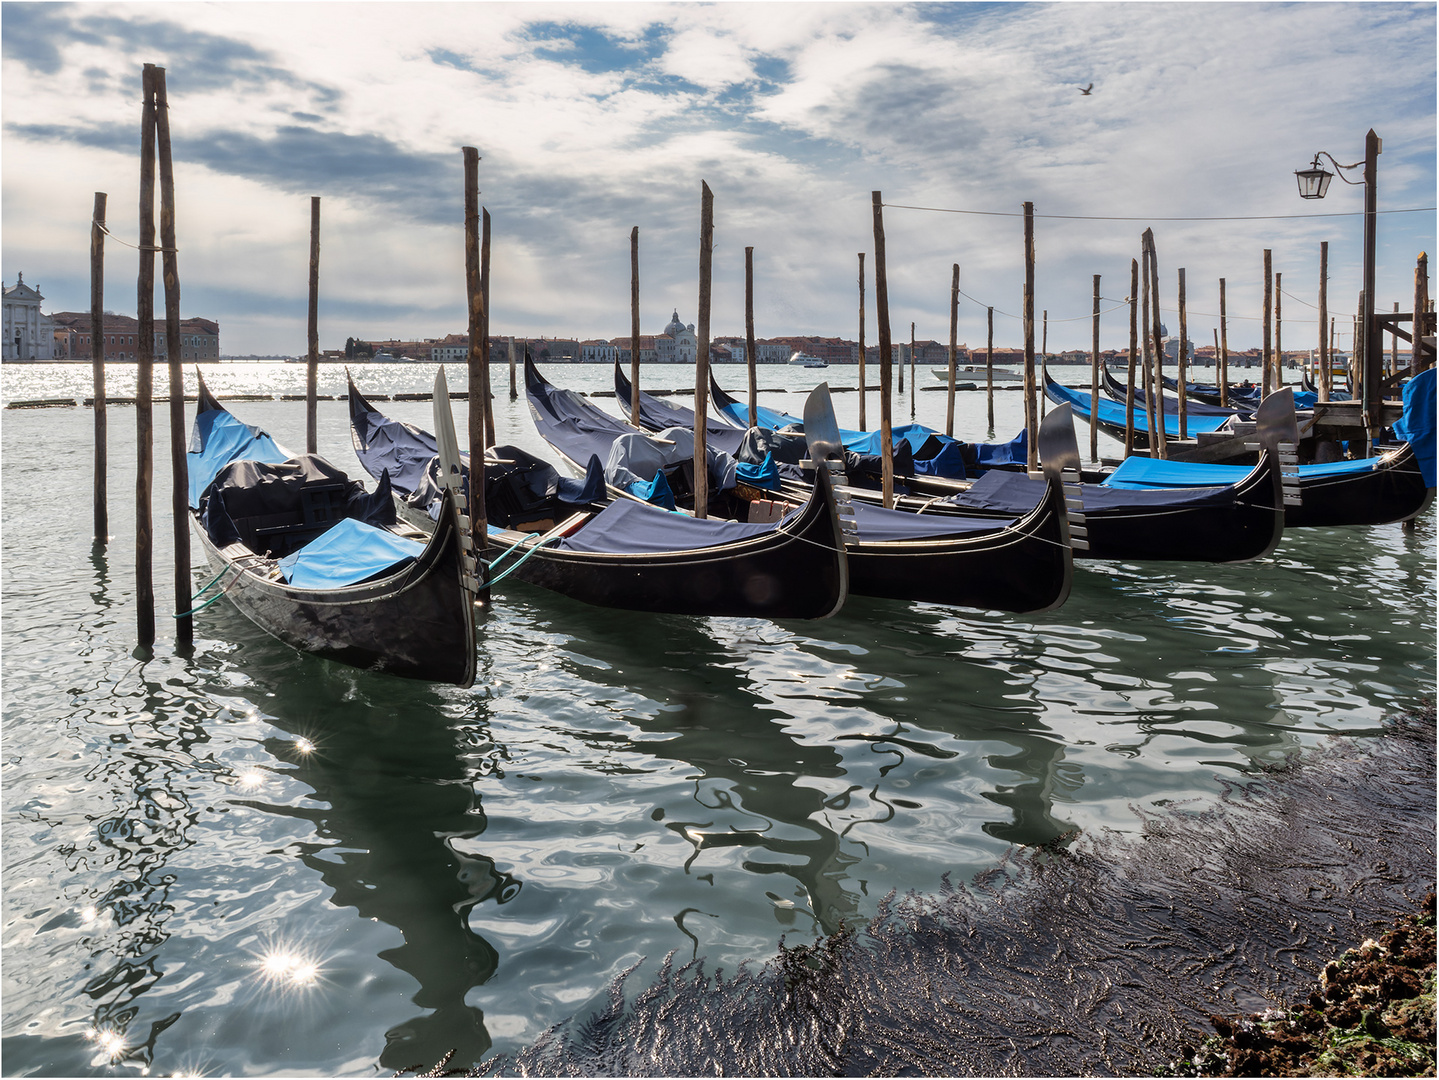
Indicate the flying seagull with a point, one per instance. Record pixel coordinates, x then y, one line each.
1085 89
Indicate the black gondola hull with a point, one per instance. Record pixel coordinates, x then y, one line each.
417 623
1393 491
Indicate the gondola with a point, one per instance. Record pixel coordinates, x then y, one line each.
1110 415
578 539
657 415
1020 564
1119 392
930 452
1238 519
1207 392
305 554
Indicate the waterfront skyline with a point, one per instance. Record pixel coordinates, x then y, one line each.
593 118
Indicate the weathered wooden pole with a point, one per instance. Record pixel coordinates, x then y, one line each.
912 379
1393 345
1278 330
1325 345
1368 325
1223 358
1133 358
1183 392
1267 354
1156 409
312 364
97 363
863 390
886 357
1146 346
1418 359
478 360
1094 378
144 376
702 352
953 349
898 359
1043 360
486 392
989 369
1361 368
749 348
514 363
1031 412
179 470
635 326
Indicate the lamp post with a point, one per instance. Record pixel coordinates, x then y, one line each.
1313 184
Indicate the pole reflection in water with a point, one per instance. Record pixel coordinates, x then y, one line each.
397 839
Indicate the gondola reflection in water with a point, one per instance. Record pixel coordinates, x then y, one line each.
311 558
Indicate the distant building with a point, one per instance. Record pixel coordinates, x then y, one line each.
451 349
678 344
28 335
199 338
596 351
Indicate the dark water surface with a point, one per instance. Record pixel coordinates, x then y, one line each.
248 861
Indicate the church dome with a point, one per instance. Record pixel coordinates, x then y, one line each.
675 326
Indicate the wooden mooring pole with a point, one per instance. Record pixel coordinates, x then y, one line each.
179 469
886 358
1133 358
1326 364
702 352
312 360
144 376
97 363
1156 400
863 389
1266 381
911 371
1146 345
1031 413
478 363
514 361
486 392
1183 393
1418 356
1278 331
635 326
989 370
1043 361
749 336
1094 378
953 349
1223 358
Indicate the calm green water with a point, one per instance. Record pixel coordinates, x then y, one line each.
246 861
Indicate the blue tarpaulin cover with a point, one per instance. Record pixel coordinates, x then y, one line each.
876 525
1113 413
1017 493
633 528
656 492
1416 426
1139 472
347 554
218 439
764 475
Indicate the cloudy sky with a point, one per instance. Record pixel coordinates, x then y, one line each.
593 118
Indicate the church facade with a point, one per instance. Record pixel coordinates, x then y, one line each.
29 336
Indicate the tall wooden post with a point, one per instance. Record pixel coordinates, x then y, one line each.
702 352
144 376
1146 345
1418 360
1278 330
953 349
312 365
1223 348
1156 402
1267 355
487 394
863 389
179 469
1394 345
1325 362
1031 413
1362 366
749 347
1133 358
514 363
479 358
989 370
1043 359
886 357
635 326
1183 392
97 363
1373 344
912 387
1094 378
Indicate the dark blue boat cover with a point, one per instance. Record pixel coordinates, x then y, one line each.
626 527
1018 493
657 415
217 439
877 525
1416 426
248 494
347 554
1141 472
385 445
1112 413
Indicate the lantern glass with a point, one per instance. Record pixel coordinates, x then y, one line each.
1313 181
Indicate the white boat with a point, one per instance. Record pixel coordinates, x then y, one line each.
800 359
975 373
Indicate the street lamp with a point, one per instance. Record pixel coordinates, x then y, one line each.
1313 183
